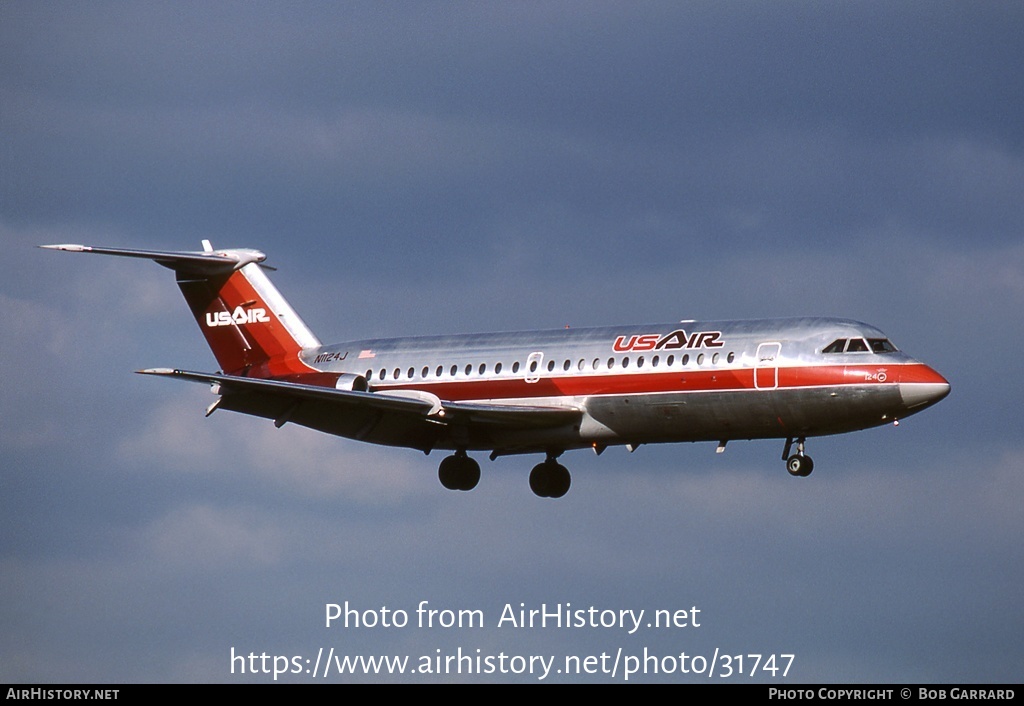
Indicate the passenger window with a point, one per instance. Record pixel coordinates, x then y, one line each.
640 362
565 365
686 359
625 361
654 361
454 370
515 367
611 363
497 368
671 361
731 358
714 359
551 365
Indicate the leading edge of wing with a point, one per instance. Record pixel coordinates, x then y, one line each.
400 401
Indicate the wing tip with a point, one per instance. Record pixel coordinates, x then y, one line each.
67 247
157 371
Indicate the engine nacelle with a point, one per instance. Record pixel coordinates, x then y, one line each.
352 383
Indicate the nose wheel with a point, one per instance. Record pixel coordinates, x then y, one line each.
799 464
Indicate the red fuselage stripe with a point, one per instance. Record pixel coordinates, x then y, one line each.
650 382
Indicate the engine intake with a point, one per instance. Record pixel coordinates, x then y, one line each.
353 383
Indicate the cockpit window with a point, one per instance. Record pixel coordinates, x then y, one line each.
859 345
881 345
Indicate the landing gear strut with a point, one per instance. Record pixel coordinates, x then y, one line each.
799 464
550 479
459 472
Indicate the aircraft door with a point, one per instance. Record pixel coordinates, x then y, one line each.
766 367
533 366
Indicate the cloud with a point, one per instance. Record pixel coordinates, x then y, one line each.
177 439
201 538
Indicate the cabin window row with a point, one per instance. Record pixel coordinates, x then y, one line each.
534 366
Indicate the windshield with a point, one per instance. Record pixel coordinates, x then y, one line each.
860 345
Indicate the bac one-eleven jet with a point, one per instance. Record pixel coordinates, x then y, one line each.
540 392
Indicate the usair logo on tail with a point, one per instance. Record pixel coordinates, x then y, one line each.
240 316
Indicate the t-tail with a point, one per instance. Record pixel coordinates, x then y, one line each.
251 328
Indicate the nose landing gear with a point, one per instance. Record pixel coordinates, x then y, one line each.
799 464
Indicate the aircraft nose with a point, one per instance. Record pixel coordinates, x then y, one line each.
922 387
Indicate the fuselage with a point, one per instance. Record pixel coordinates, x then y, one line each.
686 381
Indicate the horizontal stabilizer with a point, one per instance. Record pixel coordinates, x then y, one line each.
205 262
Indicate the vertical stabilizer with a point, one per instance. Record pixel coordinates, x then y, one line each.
250 327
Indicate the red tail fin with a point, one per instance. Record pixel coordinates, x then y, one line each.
250 327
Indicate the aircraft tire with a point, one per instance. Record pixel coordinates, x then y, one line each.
559 481
799 466
468 473
459 472
448 472
539 479
550 480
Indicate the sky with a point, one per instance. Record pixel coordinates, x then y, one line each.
446 167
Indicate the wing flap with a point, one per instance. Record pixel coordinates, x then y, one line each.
520 416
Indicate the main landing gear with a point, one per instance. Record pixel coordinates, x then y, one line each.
799 464
550 479
459 472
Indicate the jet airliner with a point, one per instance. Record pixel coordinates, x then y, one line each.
539 392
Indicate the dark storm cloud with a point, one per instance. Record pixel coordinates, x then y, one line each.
597 122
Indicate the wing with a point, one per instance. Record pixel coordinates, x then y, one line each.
400 418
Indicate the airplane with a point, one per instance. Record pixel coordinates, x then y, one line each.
539 392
